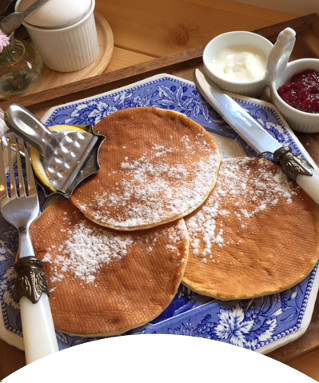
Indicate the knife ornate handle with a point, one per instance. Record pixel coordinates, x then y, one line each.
299 170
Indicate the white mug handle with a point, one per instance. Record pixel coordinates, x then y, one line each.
280 54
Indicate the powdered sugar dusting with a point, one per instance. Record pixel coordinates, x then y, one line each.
247 191
158 186
86 250
88 247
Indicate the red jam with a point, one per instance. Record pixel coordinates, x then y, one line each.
302 91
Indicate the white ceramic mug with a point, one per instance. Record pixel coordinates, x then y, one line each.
70 48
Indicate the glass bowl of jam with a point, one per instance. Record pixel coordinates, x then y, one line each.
295 93
236 62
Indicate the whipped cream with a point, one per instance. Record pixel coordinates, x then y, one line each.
240 64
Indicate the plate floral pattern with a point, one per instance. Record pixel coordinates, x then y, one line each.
261 324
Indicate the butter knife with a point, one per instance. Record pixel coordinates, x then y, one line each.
297 168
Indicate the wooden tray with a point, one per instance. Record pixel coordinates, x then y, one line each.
182 65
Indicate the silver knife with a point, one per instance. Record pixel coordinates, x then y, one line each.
295 167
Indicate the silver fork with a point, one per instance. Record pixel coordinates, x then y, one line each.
20 206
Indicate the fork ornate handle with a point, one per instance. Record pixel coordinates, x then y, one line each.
19 206
31 281
37 323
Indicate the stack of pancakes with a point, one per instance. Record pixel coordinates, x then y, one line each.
164 210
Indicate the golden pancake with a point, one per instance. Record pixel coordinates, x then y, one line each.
105 282
156 166
256 234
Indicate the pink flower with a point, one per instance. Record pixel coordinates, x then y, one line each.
4 41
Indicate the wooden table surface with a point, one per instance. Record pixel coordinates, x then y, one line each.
144 30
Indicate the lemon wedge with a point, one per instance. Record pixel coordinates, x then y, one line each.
36 158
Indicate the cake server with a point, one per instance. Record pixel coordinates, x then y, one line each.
297 168
68 157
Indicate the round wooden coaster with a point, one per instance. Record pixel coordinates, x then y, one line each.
51 79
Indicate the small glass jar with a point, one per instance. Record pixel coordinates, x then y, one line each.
20 67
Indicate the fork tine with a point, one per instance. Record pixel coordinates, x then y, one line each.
32 190
21 185
13 188
3 182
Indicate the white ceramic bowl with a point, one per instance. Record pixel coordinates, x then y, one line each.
298 120
236 39
67 48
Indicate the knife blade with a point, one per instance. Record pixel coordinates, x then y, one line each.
297 168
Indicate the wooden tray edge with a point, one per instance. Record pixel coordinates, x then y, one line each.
43 100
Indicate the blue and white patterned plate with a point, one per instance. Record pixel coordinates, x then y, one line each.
261 324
